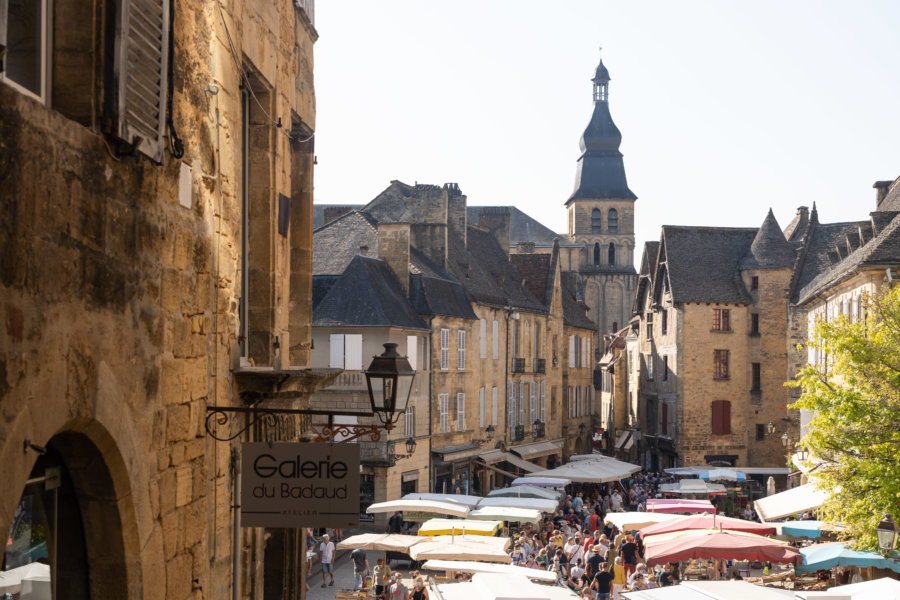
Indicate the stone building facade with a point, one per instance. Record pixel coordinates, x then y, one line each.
156 187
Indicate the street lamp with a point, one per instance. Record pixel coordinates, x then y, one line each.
784 439
536 429
887 534
770 427
410 446
389 379
489 435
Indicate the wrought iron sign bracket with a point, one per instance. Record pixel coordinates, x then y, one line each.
220 417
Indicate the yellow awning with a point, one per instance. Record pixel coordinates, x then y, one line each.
459 527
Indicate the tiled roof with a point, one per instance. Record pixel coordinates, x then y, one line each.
535 268
574 311
703 263
891 201
367 294
770 249
814 260
522 227
336 243
434 291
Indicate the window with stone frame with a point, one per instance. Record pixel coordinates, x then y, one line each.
721 319
721 417
461 350
754 283
596 221
664 321
445 349
460 411
754 323
756 377
720 364
444 408
612 220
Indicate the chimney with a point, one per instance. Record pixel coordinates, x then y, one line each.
496 220
393 248
456 210
431 240
881 190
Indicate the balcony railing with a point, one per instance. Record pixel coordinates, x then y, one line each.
517 433
518 365
540 365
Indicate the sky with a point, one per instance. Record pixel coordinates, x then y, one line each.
726 108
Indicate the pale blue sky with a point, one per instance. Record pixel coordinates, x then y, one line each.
725 108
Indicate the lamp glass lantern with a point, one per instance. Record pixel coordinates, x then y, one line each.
389 379
770 427
887 533
536 429
410 446
490 432
784 439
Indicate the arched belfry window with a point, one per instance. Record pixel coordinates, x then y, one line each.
596 255
613 219
612 254
596 221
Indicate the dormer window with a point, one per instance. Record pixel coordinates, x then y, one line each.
613 220
596 221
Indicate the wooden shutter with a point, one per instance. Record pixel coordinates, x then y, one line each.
726 417
494 403
336 354
412 351
142 62
482 342
664 426
353 352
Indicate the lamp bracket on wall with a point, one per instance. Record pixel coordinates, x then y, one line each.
219 425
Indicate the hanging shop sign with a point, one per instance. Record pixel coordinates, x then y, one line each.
286 484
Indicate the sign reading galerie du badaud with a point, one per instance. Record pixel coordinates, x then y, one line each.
286 484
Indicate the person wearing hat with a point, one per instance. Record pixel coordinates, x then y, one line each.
595 558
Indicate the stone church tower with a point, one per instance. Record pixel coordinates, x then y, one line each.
601 218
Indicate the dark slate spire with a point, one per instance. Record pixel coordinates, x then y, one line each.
600 172
770 249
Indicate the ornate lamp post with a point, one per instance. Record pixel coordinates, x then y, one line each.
389 379
887 534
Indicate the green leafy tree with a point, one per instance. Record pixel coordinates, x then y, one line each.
855 397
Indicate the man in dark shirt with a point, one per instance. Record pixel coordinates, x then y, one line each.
602 581
667 577
596 559
629 551
395 523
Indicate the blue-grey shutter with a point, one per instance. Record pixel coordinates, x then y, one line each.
142 67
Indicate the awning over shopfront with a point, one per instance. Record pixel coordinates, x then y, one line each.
623 439
454 453
493 456
796 500
538 449
496 456
453 509
595 470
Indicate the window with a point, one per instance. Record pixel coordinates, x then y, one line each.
648 359
611 254
573 351
534 402
346 351
494 406
460 349
760 432
585 352
756 378
664 325
412 350
571 401
721 319
543 401
26 32
721 417
596 221
495 340
514 342
445 349
536 348
482 340
613 220
649 319
511 405
482 407
410 421
522 406
720 359
754 324
460 411
444 402
665 419
665 369
754 283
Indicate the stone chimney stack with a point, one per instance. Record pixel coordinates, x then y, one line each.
431 240
496 220
881 190
393 248
456 210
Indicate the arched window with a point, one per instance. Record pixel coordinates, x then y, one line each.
613 220
596 221
615 326
596 255
611 254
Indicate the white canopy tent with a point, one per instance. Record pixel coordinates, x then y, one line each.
711 590
692 486
526 491
632 521
388 542
464 566
547 506
453 509
597 469
876 589
462 547
547 482
506 513
465 500
31 581
796 500
497 586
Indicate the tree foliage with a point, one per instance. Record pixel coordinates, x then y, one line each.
855 431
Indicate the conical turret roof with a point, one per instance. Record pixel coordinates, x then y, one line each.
770 249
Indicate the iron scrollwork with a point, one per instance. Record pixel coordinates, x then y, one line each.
219 418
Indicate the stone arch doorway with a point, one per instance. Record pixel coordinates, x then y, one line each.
71 517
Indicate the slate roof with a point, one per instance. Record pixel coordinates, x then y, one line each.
336 243
891 201
574 311
770 249
522 227
814 260
649 259
535 268
367 294
883 250
434 291
703 263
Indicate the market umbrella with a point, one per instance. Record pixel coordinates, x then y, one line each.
714 543
506 513
876 589
388 542
807 529
541 504
594 470
679 506
547 482
459 526
464 566
723 475
464 499
462 547
632 521
526 491
706 521
820 557
420 506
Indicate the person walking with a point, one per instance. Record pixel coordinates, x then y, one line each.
420 592
360 568
619 578
602 582
326 558
381 577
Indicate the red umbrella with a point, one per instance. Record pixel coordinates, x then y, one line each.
713 543
680 505
707 522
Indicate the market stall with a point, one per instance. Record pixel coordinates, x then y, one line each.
507 514
596 469
459 527
462 547
453 509
679 506
707 521
463 566
633 521
715 544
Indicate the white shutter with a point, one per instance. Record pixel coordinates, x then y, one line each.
460 349
511 404
584 352
494 406
522 406
534 406
495 340
443 401
412 350
336 356
482 342
445 349
543 401
142 62
572 351
353 352
482 405
460 411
